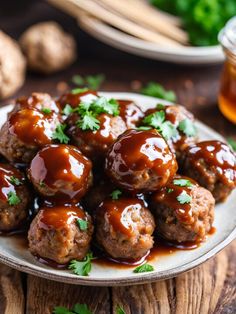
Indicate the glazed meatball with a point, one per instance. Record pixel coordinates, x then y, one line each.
213 165
61 172
55 234
130 113
47 47
124 228
183 210
40 101
183 121
25 132
140 161
75 98
12 66
14 198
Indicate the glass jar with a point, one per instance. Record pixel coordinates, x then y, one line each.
227 94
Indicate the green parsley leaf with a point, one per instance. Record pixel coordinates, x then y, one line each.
143 128
155 119
232 143
13 199
116 194
91 81
160 107
60 135
182 182
143 268
88 122
104 105
82 268
61 310
67 110
184 198
46 110
187 127
78 80
170 190
15 181
168 130
156 90
83 224
79 90
120 310
81 309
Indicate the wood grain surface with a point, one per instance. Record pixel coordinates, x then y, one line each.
208 289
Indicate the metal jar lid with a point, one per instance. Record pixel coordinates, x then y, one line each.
227 36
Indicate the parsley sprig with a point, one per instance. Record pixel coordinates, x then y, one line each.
116 194
46 110
82 268
183 182
91 81
187 127
184 198
60 135
143 268
157 90
13 199
120 310
15 181
83 224
77 309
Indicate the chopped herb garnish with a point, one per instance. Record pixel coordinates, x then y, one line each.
182 182
88 122
91 81
13 199
67 110
143 128
46 110
143 268
160 106
79 90
232 143
15 181
104 105
156 90
120 310
82 268
116 194
170 190
60 135
77 309
187 127
157 121
83 224
184 198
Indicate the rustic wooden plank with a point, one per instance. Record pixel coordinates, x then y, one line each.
210 288
43 295
11 291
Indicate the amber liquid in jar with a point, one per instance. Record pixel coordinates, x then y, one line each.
227 95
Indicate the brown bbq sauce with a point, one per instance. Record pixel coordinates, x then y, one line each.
149 151
215 154
61 163
130 113
32 127
75 99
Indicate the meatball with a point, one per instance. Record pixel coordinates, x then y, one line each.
25 132
183 121
40 101
183 210
12 66
124 228
14 198
75 98
47 47
213 165
55 234
130 113
140 161
61 172
94 144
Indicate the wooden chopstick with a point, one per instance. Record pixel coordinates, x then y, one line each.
119 22
131 10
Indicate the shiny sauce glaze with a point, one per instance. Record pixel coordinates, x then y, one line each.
33 127
218 156
6 186
75 99
130 113
168 196
37 101
63 168
139 150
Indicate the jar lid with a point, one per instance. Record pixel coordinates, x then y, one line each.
227 36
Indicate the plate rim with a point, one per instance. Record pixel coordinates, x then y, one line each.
46 273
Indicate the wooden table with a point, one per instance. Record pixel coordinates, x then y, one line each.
210 288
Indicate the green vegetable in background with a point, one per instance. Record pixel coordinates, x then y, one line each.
203 19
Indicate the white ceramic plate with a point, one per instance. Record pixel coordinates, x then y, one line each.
13 254
183 55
